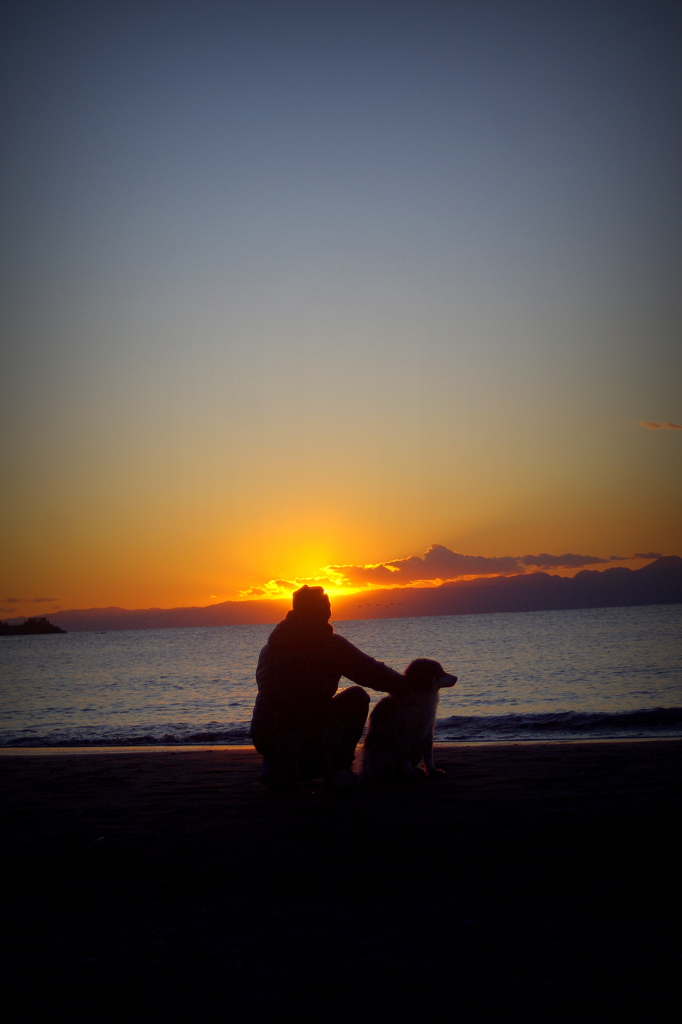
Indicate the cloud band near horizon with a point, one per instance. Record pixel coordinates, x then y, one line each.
438 565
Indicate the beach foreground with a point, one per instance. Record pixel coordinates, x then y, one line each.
530 883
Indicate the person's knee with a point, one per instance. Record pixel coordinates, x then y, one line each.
356 696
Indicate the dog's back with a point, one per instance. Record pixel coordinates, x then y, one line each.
400 732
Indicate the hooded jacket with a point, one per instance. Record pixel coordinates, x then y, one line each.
300 667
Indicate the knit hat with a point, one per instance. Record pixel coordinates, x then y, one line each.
312 601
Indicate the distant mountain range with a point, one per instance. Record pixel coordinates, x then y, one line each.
660 582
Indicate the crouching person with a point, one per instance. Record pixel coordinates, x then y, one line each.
304 728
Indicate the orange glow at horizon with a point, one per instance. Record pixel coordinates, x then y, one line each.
274 590
192 560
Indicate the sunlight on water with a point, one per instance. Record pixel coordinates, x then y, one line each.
601 671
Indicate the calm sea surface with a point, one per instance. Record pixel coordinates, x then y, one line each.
608 672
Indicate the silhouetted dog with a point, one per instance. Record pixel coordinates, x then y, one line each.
400 732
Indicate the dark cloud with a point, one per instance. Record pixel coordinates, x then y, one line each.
439 563
13 600
660 426
545 561
42 600
649 554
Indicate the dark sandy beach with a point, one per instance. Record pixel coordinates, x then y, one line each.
531 883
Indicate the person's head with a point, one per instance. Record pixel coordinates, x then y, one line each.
312 602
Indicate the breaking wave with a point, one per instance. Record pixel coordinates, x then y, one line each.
649 723
227 735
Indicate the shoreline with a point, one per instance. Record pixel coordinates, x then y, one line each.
187 748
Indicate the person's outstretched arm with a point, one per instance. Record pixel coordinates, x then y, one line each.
367 671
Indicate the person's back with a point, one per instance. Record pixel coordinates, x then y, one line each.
300 726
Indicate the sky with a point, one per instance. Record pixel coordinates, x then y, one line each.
294 289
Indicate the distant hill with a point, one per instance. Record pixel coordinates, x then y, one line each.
660 582
229 613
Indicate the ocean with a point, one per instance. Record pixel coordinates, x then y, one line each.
593 673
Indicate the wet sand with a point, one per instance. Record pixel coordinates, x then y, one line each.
531 883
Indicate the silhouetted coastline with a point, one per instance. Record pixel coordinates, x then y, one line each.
32 627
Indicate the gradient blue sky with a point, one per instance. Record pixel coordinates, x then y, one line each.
295 284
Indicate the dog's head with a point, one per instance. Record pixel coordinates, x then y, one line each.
425 675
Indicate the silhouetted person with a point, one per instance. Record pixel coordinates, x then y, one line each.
299 726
